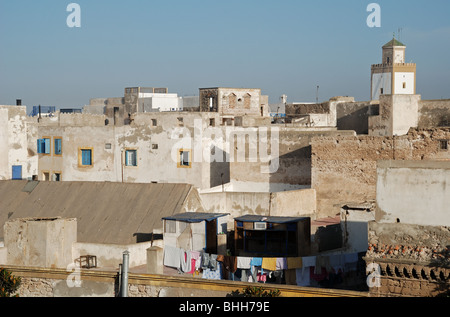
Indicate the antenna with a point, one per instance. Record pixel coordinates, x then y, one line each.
317 94
400 30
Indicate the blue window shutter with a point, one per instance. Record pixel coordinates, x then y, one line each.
47 146
86 157
126 158
17 172
58 147
39 146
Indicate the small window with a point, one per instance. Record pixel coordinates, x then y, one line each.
58 146
170 226
108 146
381 91
154 122
404 85
212 122
443 145
57 177
154 146
184 158
130 158
43 146
85 157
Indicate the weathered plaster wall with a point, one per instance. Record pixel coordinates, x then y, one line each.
397 114
344 167
111 255
14 142
434 113
414 192
40 242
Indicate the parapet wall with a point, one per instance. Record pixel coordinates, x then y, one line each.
434 113
344 168
73 120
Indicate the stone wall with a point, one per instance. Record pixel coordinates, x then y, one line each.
344 168
411 260
434 113
59 283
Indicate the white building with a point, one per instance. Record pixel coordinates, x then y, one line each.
393 76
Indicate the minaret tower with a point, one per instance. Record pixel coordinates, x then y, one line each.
394 76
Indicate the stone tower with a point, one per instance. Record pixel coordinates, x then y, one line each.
393 76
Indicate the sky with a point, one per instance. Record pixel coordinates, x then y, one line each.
282 47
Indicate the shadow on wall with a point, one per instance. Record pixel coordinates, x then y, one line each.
357 120
294 169
219 171
147 237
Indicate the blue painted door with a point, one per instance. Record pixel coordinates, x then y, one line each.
17 172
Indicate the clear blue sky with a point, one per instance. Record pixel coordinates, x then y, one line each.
283 47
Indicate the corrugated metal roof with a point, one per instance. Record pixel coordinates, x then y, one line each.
195 217
110 213
258 218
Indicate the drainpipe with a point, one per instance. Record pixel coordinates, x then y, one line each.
124 284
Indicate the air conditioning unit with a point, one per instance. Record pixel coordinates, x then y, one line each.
260 226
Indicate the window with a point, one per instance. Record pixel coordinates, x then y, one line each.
154 122
212 122
108 146
154 146
381 91
57 177
58 146
184 159
404 85
443 145
130 158
170 226
85 157
43 145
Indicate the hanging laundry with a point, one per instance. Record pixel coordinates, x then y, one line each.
322 261
290 275
196 261
320 276
243 262
307 262
229 266
172 256
269 264
337 262
256 262
185 260
212 274
209 261
281 264
303 277
294 263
